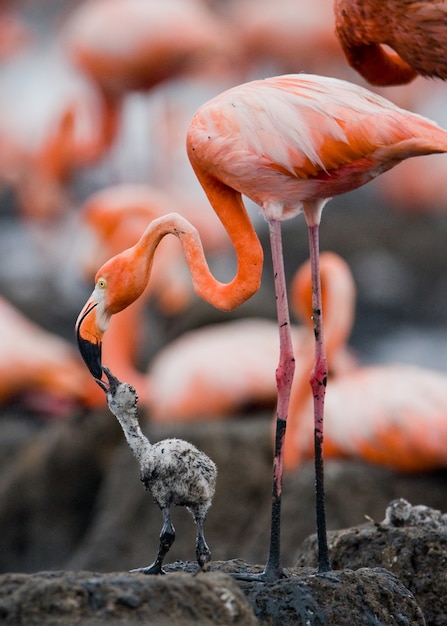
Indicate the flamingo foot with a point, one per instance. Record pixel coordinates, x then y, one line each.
269 575
154 569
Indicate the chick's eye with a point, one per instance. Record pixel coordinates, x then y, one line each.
101 283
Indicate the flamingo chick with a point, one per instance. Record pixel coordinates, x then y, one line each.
289 143
173 470
416 32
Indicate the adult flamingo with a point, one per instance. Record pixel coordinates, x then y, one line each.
393 415
286 34
137 44
38 367
289 143
338 299
185 381
416 32
196 376
116 216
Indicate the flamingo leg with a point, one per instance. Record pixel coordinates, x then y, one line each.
284 376
318 379
203 553
167 536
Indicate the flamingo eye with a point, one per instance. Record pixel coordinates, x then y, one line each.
101 283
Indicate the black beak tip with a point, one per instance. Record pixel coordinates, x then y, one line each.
91 353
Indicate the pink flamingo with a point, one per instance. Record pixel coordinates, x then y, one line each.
390 42
116 216
197 376
39 367
286 34
138 44
289 143
49 115
394 415
184 381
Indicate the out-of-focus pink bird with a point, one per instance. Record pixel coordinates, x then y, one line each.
39 368
37 173
288 143
14 34
225 368
137 44
214 371
394 415
48 130
287 35
390 42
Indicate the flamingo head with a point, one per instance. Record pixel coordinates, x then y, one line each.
118 283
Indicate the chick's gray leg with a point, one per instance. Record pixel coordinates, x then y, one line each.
203 553
167 537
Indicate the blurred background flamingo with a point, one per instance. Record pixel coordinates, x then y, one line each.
136 45
38 369
394 415
225 369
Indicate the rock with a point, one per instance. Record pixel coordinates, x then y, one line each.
339 598
65 598
411 542
51 482
368 596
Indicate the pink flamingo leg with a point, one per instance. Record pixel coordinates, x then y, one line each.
318 379
284 377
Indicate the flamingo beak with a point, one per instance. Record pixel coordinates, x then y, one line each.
89 338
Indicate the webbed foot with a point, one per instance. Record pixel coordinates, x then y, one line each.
154 569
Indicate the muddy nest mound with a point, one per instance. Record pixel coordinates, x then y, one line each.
411 542
367 596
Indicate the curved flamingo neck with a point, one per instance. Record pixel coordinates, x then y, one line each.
379 66
108 126
231 211
356 28
338 293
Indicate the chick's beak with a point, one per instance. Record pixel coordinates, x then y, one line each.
89 338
